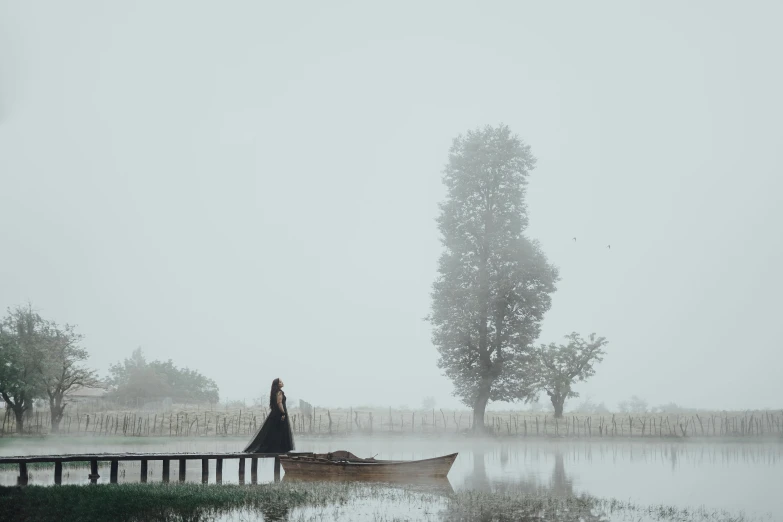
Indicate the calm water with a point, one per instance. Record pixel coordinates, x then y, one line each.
739 477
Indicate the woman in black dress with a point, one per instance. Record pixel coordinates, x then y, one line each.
275 435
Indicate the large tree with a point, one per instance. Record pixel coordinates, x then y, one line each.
60 369
21 350
560 366
494 284
39 359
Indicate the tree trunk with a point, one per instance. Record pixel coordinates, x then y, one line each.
19 405
57 416
480 407
558 402
56 408
19 414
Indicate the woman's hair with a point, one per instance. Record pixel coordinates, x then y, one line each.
273 393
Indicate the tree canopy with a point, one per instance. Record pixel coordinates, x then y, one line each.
560 366
21 348
60 369
40 359
137 378
494 284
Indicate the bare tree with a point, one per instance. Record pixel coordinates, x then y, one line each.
60 370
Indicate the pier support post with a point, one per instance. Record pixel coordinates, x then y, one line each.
113 461
114 471
22 478
94 472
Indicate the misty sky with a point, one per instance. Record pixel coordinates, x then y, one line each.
250 188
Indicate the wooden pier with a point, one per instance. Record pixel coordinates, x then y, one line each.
115 458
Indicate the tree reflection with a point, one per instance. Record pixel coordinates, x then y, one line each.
276 512
478 480
524 500
560 484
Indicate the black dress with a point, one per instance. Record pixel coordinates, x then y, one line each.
274 435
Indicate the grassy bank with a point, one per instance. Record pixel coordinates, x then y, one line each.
319 501
142 502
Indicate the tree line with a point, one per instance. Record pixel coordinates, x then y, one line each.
42 360
495 284
138 378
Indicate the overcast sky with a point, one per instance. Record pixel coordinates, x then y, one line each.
250 188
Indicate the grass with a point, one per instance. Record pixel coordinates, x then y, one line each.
321 501
141 502
505 507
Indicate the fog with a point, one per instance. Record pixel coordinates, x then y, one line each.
720 475
250 188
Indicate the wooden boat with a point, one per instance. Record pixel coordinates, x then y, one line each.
348 465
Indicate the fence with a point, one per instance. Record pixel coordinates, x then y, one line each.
323 421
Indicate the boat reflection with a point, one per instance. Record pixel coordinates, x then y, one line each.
436 485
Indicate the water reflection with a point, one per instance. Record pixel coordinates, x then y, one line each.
527 499
275 512
478 480
731 475
559 483
434 485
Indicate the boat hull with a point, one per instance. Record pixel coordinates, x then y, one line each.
368 468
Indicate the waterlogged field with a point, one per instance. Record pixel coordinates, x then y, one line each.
628 479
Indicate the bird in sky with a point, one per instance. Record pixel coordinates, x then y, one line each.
574 239
609 246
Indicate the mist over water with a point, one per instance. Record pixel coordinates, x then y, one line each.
732 476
